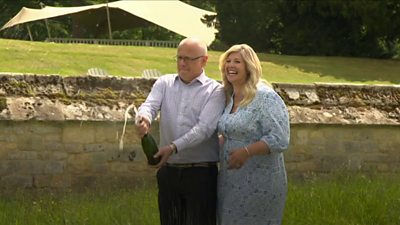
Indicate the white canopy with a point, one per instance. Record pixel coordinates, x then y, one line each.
173 15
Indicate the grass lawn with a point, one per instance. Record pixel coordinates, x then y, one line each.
335 199
75 59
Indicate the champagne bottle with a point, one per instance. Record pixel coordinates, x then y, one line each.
150 148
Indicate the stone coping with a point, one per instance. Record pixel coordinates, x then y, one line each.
105 98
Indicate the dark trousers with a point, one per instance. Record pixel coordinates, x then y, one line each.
187 196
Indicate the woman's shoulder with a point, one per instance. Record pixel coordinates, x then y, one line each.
266 93
264 90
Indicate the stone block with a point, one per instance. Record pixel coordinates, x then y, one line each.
360 147
328 163
79 163
383 168
50 155
22 155
306 166
99 158
389 147
125 155
297 157
42 181
52 137
370 166
300 137
99 147
100 168
291 167
30 166
118 167
380 158
30 143
84 181
61 181
4 152
108 132
54 167
84 134
73 147
59 156
317 134
53 145
16 181
8 138
45 128
8 167
333 146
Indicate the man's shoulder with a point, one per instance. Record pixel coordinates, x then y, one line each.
171 76
211 81
166 79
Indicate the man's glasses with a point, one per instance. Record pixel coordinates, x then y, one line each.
186 58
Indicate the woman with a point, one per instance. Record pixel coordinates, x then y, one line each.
252 182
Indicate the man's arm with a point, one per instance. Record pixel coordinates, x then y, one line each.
149 109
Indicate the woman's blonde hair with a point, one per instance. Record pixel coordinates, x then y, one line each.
253 69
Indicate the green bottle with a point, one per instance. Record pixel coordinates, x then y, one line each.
150 148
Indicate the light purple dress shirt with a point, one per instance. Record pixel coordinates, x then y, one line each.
189 115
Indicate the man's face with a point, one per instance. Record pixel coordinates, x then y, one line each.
190 61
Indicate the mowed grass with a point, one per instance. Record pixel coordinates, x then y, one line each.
334 199
75 59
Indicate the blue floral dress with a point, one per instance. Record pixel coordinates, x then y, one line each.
254 194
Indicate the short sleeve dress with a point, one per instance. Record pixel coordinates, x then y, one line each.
254 194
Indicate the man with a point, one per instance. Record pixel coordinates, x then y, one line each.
190 104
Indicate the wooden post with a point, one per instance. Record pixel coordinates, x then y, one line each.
45 20
29 32
109 22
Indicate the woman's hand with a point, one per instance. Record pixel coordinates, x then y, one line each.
237 158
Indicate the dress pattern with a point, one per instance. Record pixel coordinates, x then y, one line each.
254 194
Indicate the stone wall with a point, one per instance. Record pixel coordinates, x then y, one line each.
64 131
322 148
63 154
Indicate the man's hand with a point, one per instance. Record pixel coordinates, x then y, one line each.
164 152
142 126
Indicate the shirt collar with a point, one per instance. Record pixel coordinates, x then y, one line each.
202 78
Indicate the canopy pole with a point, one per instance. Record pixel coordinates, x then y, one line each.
45 20
29 32
109 22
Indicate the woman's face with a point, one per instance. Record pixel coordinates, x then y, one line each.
235 69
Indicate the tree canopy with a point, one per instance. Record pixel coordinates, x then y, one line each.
331 27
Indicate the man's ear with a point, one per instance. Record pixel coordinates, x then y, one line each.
204 60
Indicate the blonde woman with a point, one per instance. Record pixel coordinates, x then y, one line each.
255 129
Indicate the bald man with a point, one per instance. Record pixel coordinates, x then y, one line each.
190 105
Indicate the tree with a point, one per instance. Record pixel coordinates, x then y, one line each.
252 22
330 27
340 27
